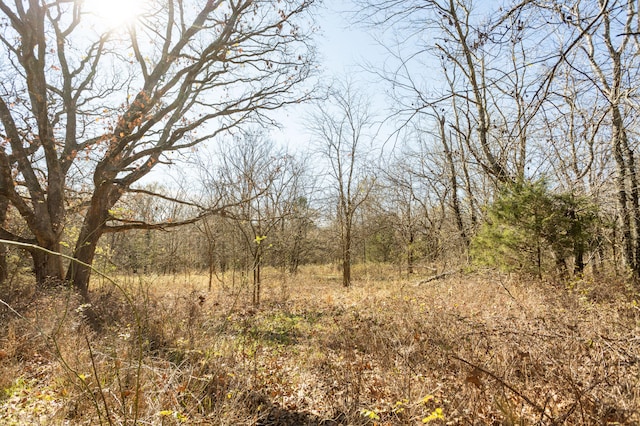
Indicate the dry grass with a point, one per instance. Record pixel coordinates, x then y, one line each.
469 349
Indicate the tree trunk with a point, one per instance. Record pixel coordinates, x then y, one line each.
47 267
79 273
476 79
635 200
614 247
470 196
576 232
211 253
453 180
92 229
294 255
211 271
410 254
4 272
346 258
579 259
623 196
346 269
625 222
256 280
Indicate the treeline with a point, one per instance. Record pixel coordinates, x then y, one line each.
509 138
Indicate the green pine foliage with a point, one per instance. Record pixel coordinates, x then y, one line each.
530 229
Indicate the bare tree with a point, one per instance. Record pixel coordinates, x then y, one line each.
405 201
498 103
260 181
611 50
154 248
294 238
474 69
342 127
95 112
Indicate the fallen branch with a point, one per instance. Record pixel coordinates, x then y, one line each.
437 277
541 410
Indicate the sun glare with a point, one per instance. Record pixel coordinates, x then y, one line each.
115 13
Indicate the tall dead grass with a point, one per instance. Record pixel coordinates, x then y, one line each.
480 348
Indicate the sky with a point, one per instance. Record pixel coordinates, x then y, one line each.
342 44
343 50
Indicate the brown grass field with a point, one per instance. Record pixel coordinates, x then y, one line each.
472 348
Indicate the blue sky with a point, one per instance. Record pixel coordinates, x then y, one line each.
343 46
343 50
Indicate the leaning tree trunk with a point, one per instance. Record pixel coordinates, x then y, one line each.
92 229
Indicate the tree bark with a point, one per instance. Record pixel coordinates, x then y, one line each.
104 198
623 196
578 242
627 182
257 260
47 267
579 259
453 180
346 255
635 200
410 252
4 271
346 268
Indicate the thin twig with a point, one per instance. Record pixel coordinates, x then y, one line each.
55 253
533 404
95 374
11 309
128 298
511 295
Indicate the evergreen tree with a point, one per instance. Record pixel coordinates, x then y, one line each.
530 229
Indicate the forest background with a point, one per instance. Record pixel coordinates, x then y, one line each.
142 158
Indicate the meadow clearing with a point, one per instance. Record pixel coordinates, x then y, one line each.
470 348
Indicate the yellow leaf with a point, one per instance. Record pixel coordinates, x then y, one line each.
427 398
370 414
437 414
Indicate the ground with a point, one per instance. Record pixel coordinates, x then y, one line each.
475 347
